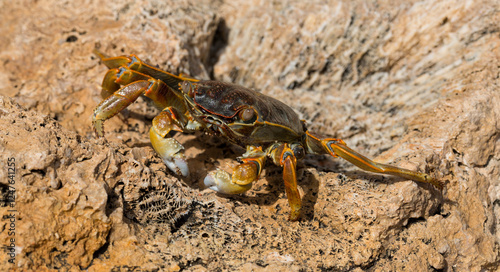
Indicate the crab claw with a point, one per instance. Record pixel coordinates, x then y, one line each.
178 164
222 182
171 152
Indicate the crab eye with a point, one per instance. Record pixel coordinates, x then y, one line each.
247 115
298 151
186 87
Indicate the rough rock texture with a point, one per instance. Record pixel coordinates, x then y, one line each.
412 83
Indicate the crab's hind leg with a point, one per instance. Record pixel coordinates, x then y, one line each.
337 147
122 71
134 63
112 62
243 175
169 149
120 76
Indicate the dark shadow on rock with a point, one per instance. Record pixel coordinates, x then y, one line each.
311 190
218 46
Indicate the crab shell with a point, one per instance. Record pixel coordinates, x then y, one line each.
222 104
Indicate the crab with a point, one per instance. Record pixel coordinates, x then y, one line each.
266 127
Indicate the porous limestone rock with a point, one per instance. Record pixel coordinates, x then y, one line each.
414 84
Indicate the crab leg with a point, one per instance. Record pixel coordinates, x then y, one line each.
243 174
112 62
289 163
120 76
116 102
134 63
137 78
109 86
168 148
337 147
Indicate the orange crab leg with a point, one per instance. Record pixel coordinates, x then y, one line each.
116 102
289 163
134 63
125 96
120 76
342 150
112 62
283 155
109 86
249 171
337 147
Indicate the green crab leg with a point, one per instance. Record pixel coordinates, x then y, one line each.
243 175
337 147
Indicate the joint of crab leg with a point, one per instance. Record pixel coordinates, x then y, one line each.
126 75
134 60
170 151
246 172
119 76
167 121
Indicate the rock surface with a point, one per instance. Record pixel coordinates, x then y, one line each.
412 83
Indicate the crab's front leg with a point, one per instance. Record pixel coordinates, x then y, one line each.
243 175
169 149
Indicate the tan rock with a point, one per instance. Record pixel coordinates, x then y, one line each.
414 84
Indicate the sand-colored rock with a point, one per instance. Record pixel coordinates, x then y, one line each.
415 84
